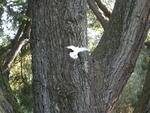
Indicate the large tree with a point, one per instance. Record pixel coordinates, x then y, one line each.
90 83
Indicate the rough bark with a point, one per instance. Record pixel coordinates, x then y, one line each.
64 85
115 56
60 84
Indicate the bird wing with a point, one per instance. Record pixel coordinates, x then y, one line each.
71 47
81 49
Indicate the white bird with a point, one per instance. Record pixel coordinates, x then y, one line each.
76 50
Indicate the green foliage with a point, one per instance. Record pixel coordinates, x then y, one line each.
16 9
12 12
92 21
24 96
1 12
21 80
95 30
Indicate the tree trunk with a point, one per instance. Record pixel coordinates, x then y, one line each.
60 84
65 85
117 52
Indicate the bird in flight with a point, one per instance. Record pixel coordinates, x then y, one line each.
76 50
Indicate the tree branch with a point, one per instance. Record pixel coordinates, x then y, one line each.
19 32
18 43
15 51
98 14
102 6
117 52
6 50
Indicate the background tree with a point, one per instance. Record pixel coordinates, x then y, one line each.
8 53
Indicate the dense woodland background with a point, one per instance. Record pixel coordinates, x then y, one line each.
13 15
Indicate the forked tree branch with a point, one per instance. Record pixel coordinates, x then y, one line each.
103 7
118 50
93 6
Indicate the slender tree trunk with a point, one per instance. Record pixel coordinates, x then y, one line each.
64 85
